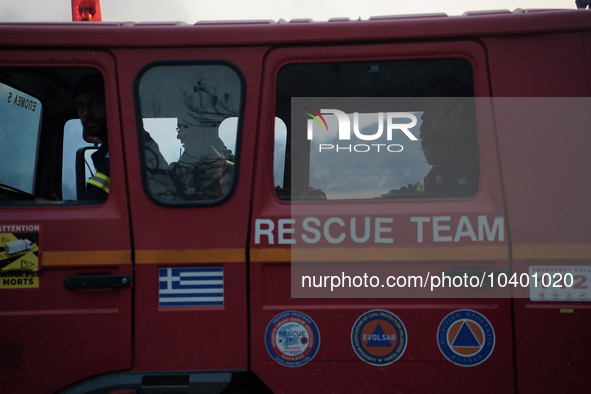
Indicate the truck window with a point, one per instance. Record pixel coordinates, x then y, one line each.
44 150
378 130
189 131
19 142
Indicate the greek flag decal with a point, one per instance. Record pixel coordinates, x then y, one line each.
191 286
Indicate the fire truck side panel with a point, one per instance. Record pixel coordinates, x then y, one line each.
337 366
543 122
197 337
52 335
165 286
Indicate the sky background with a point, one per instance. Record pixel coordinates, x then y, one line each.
191 11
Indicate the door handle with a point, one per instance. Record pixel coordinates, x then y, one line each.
97 282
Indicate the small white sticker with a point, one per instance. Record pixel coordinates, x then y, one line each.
560 283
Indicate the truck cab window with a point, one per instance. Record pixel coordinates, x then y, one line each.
189 132
44 147
378 130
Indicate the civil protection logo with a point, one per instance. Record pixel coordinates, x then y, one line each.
466 338
379 337
292 339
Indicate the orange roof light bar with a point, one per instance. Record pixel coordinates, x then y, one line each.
86 10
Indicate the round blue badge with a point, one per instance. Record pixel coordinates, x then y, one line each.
378 337
466 338
292 339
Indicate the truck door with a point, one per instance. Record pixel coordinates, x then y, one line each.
65 302
543 140
385 253
189 212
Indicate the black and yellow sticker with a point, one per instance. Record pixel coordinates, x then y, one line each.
19 251
19 280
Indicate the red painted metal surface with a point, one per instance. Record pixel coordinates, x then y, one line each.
54 337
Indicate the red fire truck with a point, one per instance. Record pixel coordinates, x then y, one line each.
280 215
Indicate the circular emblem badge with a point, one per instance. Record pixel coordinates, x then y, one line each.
466 338
292 339
379 337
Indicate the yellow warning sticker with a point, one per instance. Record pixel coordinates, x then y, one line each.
19 251
19 280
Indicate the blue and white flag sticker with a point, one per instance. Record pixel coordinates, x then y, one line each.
203 286
292 339
466 338
379 337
